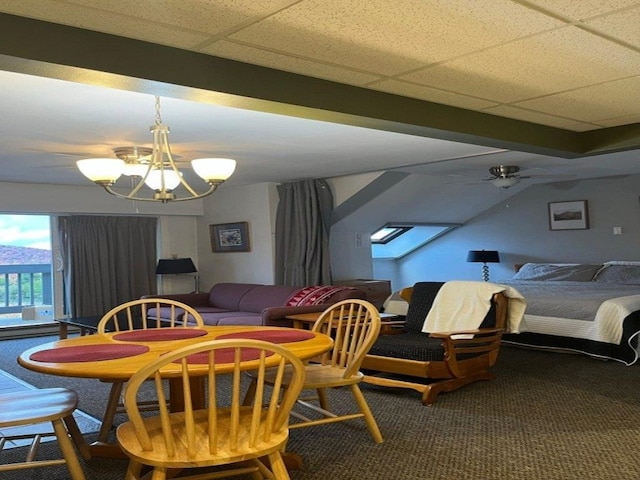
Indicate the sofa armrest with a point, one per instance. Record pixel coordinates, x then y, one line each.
191 299
276 316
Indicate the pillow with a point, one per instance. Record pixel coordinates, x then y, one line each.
624 274
548 271
621 262
396 305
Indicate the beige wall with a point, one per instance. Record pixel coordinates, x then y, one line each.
255 204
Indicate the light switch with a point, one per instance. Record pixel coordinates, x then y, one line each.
617 230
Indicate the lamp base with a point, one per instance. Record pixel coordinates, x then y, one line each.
485 272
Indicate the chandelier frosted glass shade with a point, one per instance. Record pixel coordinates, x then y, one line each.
213 170
156 169
101 170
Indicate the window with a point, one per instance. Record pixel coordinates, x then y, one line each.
395 240
26 287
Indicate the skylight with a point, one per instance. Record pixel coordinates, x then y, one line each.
395 240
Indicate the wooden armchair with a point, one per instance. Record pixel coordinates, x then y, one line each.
442 362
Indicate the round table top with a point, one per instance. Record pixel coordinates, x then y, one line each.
114 356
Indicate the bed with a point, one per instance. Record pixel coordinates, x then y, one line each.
588 308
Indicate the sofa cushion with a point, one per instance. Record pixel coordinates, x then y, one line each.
215 318
228 295
263 296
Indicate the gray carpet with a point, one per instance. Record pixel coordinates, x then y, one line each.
547 416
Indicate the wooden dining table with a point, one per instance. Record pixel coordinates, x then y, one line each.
118 355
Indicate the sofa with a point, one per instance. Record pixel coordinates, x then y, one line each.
256 304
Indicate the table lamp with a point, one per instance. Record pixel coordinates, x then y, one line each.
484 257
174 266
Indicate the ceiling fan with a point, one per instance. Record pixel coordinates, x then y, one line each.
505 176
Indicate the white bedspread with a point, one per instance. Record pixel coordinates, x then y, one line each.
462 305
606 326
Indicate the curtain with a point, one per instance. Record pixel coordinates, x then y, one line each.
107 261
303 223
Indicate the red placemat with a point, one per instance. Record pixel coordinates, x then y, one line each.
159 334
87 353
226 355
273 336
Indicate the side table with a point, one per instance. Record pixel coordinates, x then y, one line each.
85 324
391 323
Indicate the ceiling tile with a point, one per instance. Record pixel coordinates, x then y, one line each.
525 69
210 17
413 33
431 94
103 21
597 103
269 59
531 116
615 122
624 25
582 9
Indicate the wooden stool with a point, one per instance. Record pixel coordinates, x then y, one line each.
55 405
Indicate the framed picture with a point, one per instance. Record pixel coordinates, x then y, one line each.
568 215
230 237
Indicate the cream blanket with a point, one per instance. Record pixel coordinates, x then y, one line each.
462 305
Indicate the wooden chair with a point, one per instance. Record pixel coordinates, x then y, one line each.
30 407
224 433
354 325
135 315
442 361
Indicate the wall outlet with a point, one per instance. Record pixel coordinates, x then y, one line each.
617 230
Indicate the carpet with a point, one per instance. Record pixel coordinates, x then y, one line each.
8 382
547 415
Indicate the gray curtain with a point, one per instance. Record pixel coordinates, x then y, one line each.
303 223
107 261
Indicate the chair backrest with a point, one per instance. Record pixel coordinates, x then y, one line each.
422 295
145 313
354 326
223 363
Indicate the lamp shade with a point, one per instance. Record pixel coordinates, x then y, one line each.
483 256
168 266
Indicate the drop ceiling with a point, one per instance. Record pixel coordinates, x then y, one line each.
321 88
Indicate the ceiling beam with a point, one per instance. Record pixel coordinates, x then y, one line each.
57 51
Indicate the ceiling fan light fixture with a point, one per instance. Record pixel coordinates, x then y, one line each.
155 168
504 182
103 171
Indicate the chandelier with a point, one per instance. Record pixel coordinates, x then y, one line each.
154 168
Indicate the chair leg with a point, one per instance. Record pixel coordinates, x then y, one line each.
76 436
372 425
278 467
159 473
250 395
322 398
110 411
133 470
66 447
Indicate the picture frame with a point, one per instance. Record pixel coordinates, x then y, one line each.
230 237
573 215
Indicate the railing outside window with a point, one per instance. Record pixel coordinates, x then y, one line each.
24 285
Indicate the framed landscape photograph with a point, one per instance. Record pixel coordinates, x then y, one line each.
568 215
230 237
